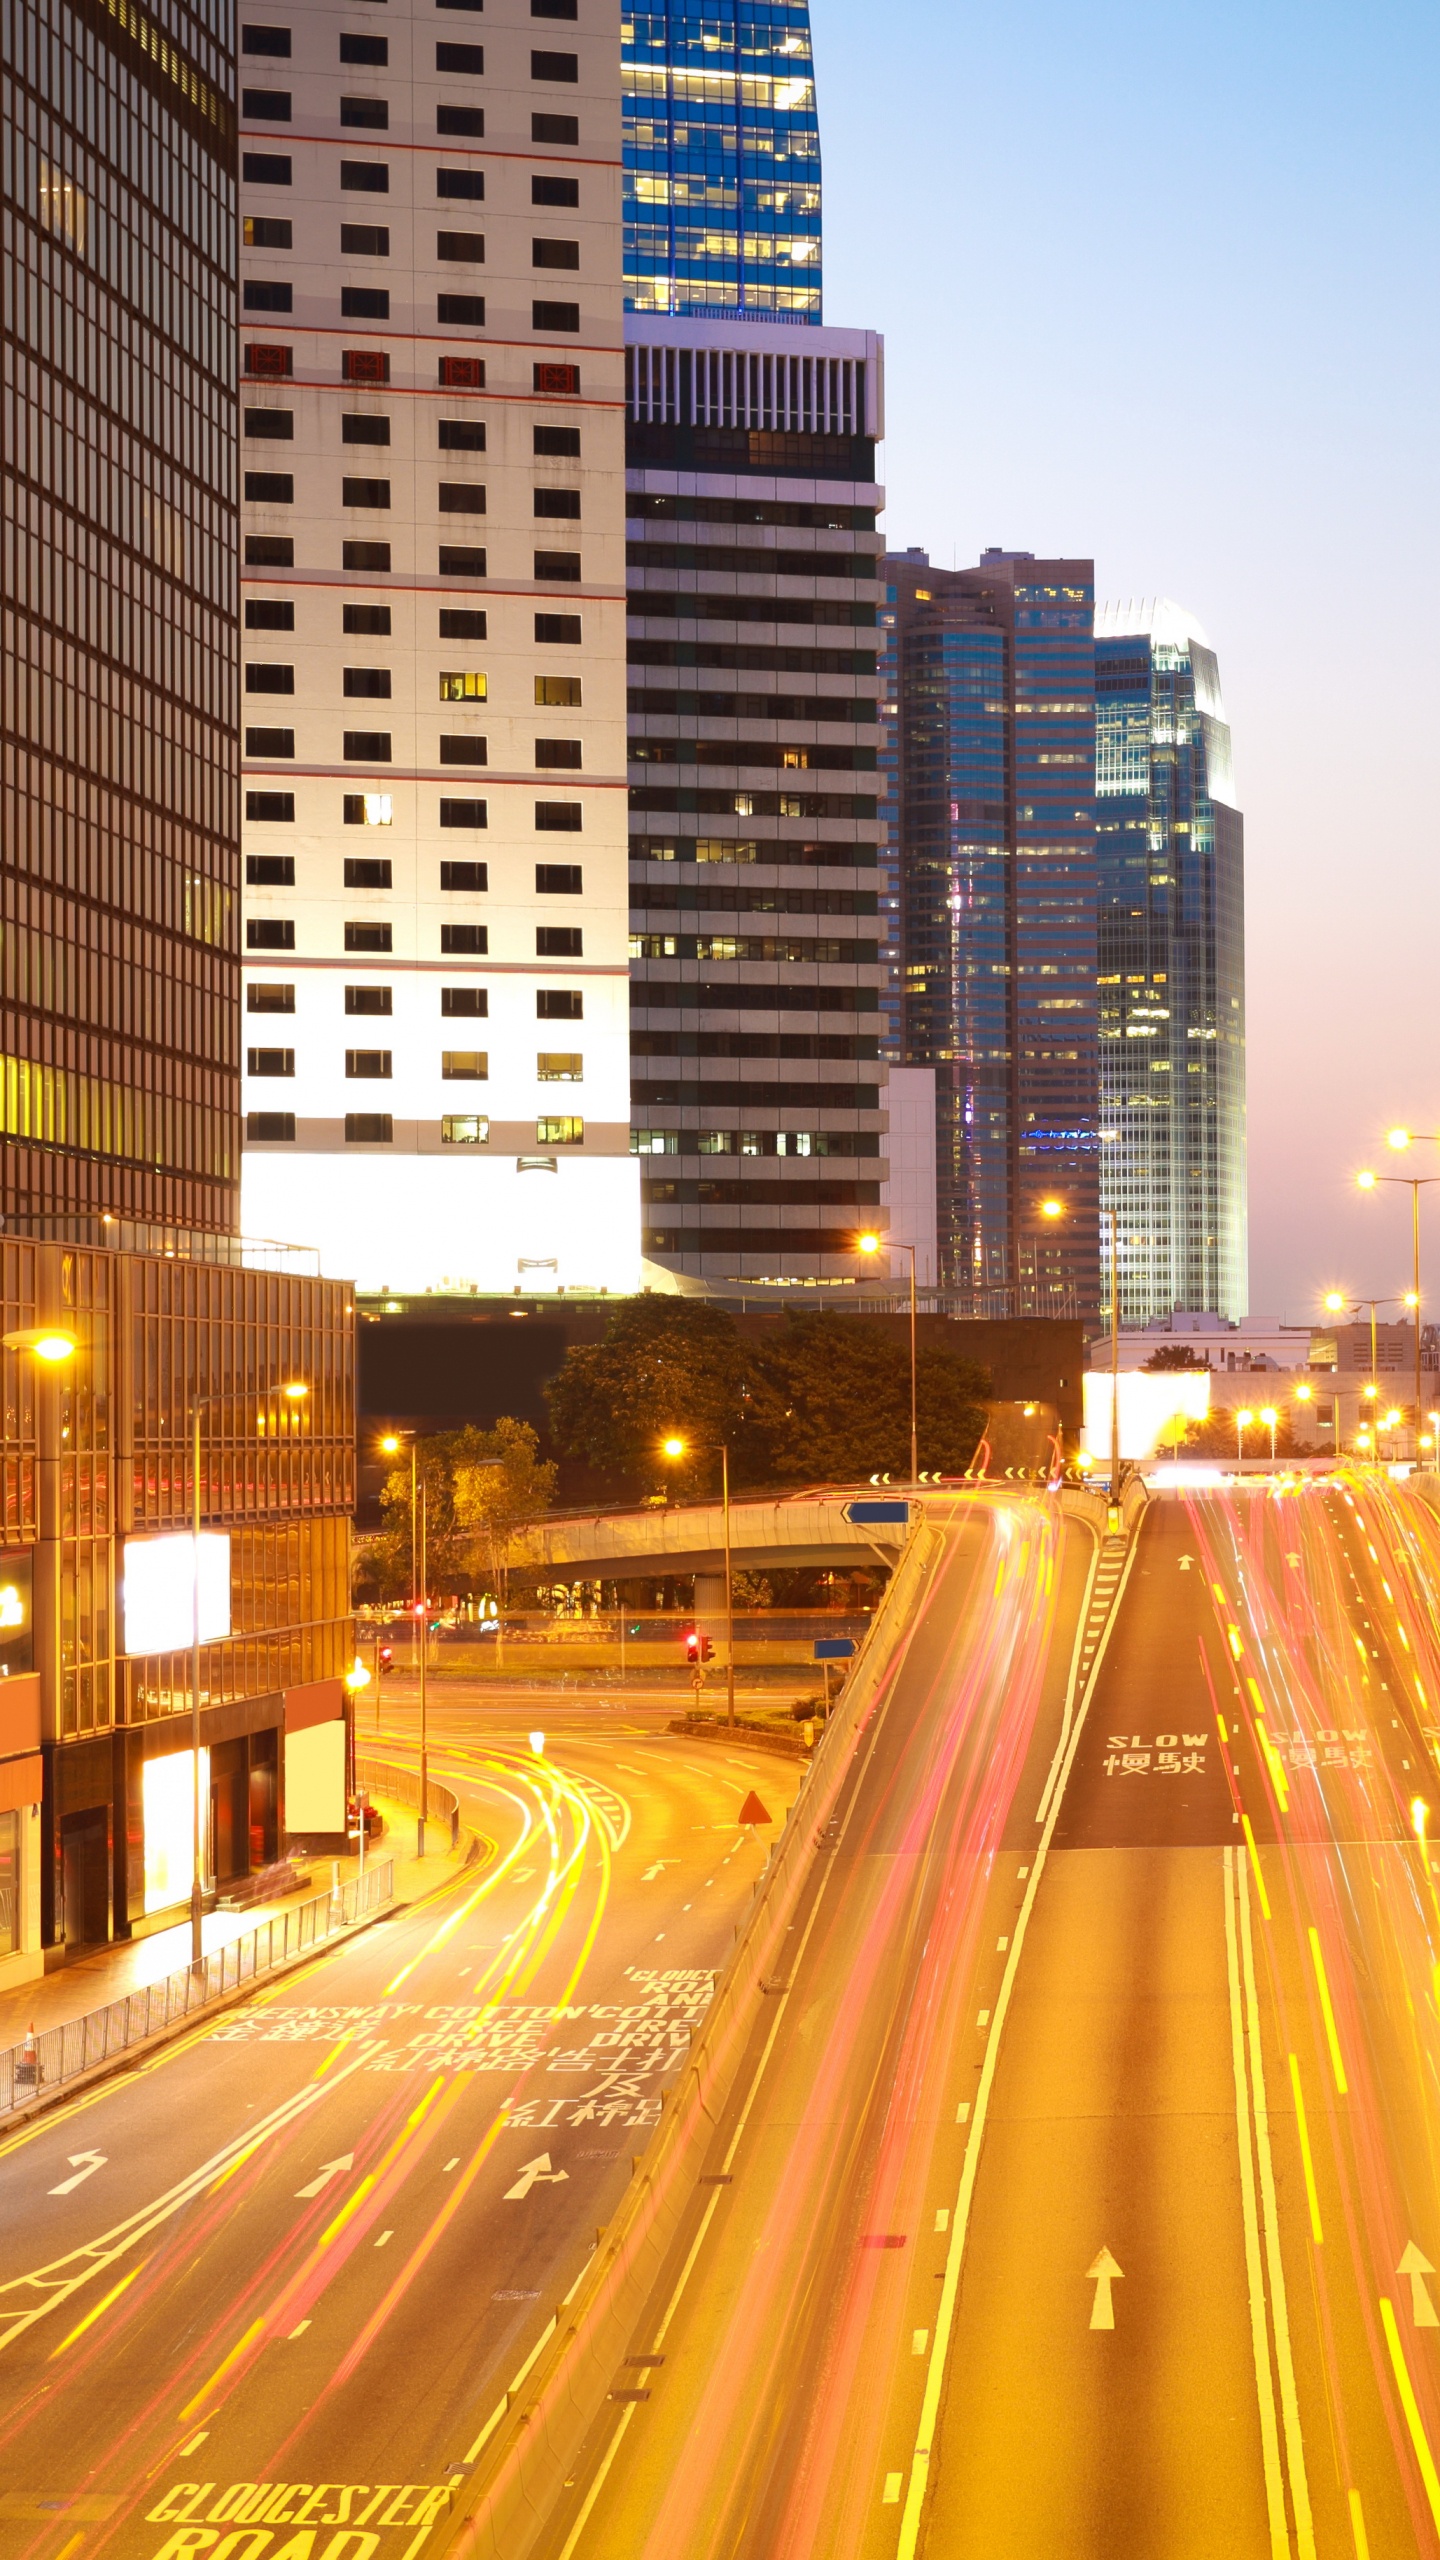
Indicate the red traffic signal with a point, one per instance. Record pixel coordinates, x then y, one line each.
698 1648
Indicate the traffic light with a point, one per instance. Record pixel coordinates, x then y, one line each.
698 1648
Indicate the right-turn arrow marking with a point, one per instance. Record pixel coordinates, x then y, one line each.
1103 2271
331 2169
1417 2267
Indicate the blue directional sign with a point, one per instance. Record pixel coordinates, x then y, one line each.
876 1515
833 1648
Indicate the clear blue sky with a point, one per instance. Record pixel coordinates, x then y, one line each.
1160 286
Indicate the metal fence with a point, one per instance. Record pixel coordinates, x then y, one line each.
59 2054
402 1787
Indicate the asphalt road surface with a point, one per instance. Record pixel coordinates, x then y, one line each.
264 2291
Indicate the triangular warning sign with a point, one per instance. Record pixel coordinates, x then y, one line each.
752 1810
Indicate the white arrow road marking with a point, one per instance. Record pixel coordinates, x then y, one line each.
331 2169
1185 1563
1104 2272
91 2160
536 2173
1292 1559
1417 2267
658 1869
26 2299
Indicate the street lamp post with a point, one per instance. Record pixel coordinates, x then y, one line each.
1270 1417
1414 1184
1243 1421
872 1244
419 1611
675 1447
1336 1303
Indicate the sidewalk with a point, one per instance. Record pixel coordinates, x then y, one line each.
104 1974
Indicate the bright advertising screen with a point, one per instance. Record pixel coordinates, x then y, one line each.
168 1799
159 1591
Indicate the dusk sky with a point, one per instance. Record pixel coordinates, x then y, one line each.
1160 287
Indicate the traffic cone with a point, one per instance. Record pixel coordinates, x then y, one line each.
27 2070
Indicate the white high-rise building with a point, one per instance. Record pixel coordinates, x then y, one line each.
437 1026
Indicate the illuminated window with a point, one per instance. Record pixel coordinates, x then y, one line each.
464 1129
464 688
557 692
559 1066
654 1142
560 1132
464 1066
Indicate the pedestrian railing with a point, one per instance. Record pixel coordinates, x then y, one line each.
402 1787
57 2054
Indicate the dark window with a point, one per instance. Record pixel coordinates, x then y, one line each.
463 751
457 562
265 169
270 743
272 40
553 9
555 253
260 679
462 435
461 120
462 813
565 191
460 310
558 753
266 231
271 870
559 1004
557 502
269 933
365 177
367 746
460 4
462 498
558 942
456 624
467 1001
366 617
274 426
372 1128
367 871
368 1065
269 551
269 489
364 364
365 493
555 315
367 111
462 373
374 49
373 1000
371 556
460 182
564 129
265 996
469 877
268 297
272 1125
555 378
364 240
265 106
270 1062
367 937
558 440
367 684
460 248
558 566
554 66
270 808
464 941
469 58
558 879
356 429
558 630
364 302
269 613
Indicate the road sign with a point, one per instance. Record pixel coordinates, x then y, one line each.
876 1515
834 1648
752 1810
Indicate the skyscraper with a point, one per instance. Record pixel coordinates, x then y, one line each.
119 825
437 1063
1170 846
722 160
987 731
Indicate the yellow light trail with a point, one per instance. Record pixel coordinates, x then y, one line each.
1312 2195
92 2316
1255 1863
1411 2407
1328 2014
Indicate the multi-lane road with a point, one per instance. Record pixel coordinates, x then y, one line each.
1077 2192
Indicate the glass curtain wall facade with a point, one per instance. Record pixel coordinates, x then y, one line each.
1170 845
119 851
987 738
722 160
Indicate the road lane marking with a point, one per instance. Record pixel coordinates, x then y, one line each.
1312 2197
1289 2397
919 2341
1328 2014
942 2217
1357 2527
1102 2272
330 2169
384 2236
1417 2267
1249 2108
85 2164
1255 1863
1411 2407
103 2305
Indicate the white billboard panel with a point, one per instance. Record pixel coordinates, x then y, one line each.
158 1593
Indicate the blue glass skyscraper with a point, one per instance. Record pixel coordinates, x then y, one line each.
722 160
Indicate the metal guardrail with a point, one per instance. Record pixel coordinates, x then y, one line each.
402 1786
63 2053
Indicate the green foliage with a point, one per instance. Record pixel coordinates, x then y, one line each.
482 1489
1174 1355
840 1402
666 1366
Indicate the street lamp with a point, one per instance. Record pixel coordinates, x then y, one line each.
1270 1417
873 1244
1399 1139
1243 1421
419 1609
675 1447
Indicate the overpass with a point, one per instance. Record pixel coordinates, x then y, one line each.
800 1529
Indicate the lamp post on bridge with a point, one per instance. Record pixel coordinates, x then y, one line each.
676 1447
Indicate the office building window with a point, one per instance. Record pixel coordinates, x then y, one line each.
367 746
271 40
270 1127
369 1129
365 111
270 933
555 316
463 688
560 1132
559 1004
371 557
460 310
559 567
364 302
559 1066
464 1066
365 177
470 878
372 620
462 435
558 630
559 941
269 613
367 872
556 502
464 813
270 1062
370 49
266 231
461 184
562 441
461 248
654 1142
454 750
374 1000
561 130
271 870
269 489
459 560
265 106
473 1003
464 941
464 1129
458 622
368 809
555 253
364 937
365 493
265 169
555 66
468 59
269 679
270 808
269 995
270 743
368 1066
557 191
367 683
276 426
466 121
558 693
359 427
462 498
558 753
257 296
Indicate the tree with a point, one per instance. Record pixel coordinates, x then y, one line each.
837 1402
500 1486
1175 1355
665 1365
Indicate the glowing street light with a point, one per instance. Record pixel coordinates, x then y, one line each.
1243 1420
870 1244
44 1342
1270 1417
675 1447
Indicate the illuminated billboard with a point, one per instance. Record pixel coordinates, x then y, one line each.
17 1625
168 1799
158 1591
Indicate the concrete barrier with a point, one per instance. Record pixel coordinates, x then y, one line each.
536 2433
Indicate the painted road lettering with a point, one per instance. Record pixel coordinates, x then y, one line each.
1169 1755
271 2517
